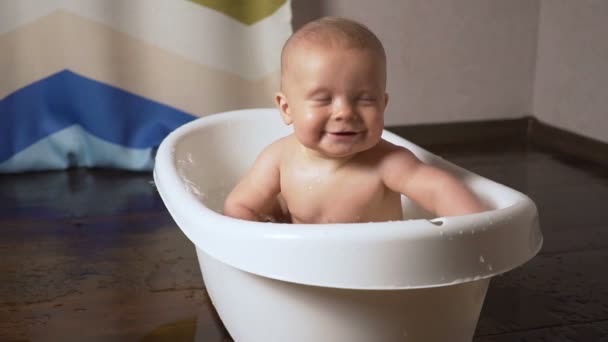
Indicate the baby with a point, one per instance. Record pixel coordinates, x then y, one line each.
336 168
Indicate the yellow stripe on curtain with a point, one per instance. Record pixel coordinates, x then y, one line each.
246 11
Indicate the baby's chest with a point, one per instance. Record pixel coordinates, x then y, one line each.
336 198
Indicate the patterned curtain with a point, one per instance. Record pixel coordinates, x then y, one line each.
99 83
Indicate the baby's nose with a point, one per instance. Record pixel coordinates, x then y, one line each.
343 110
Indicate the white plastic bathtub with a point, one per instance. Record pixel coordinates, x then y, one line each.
421 279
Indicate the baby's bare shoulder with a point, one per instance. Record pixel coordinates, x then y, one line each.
394 159
276 149
387 152
269 159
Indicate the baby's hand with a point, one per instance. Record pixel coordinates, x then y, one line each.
277 219
280 213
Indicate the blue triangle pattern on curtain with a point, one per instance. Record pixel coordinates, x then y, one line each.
70 120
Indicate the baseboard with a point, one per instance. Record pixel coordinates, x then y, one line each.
552 138
519 133
470 134
464 132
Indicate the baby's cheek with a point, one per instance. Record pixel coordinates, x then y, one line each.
306 135
314 122
309 117
376 123
375 133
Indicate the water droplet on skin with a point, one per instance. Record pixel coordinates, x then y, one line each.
309 187
190 158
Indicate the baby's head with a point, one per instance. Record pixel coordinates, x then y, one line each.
333 81
331 33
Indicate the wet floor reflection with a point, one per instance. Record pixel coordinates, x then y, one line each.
206 327
92 255
77 193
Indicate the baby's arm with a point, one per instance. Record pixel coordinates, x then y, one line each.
255 196
434 189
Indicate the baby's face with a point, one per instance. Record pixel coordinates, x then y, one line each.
335 99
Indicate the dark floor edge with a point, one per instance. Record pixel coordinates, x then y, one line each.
523 132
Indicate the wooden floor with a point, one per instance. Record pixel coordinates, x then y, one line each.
92 255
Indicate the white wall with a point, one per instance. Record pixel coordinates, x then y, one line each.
460 60
571 87
448 60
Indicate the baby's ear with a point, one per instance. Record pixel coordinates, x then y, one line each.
281 101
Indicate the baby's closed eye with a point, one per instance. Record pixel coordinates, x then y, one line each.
367 99
321 100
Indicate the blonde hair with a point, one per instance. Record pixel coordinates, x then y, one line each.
333 32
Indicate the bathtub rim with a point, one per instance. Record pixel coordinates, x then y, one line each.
245 245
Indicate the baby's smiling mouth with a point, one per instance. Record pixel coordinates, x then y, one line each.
343 134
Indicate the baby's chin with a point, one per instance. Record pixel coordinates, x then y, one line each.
344 152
